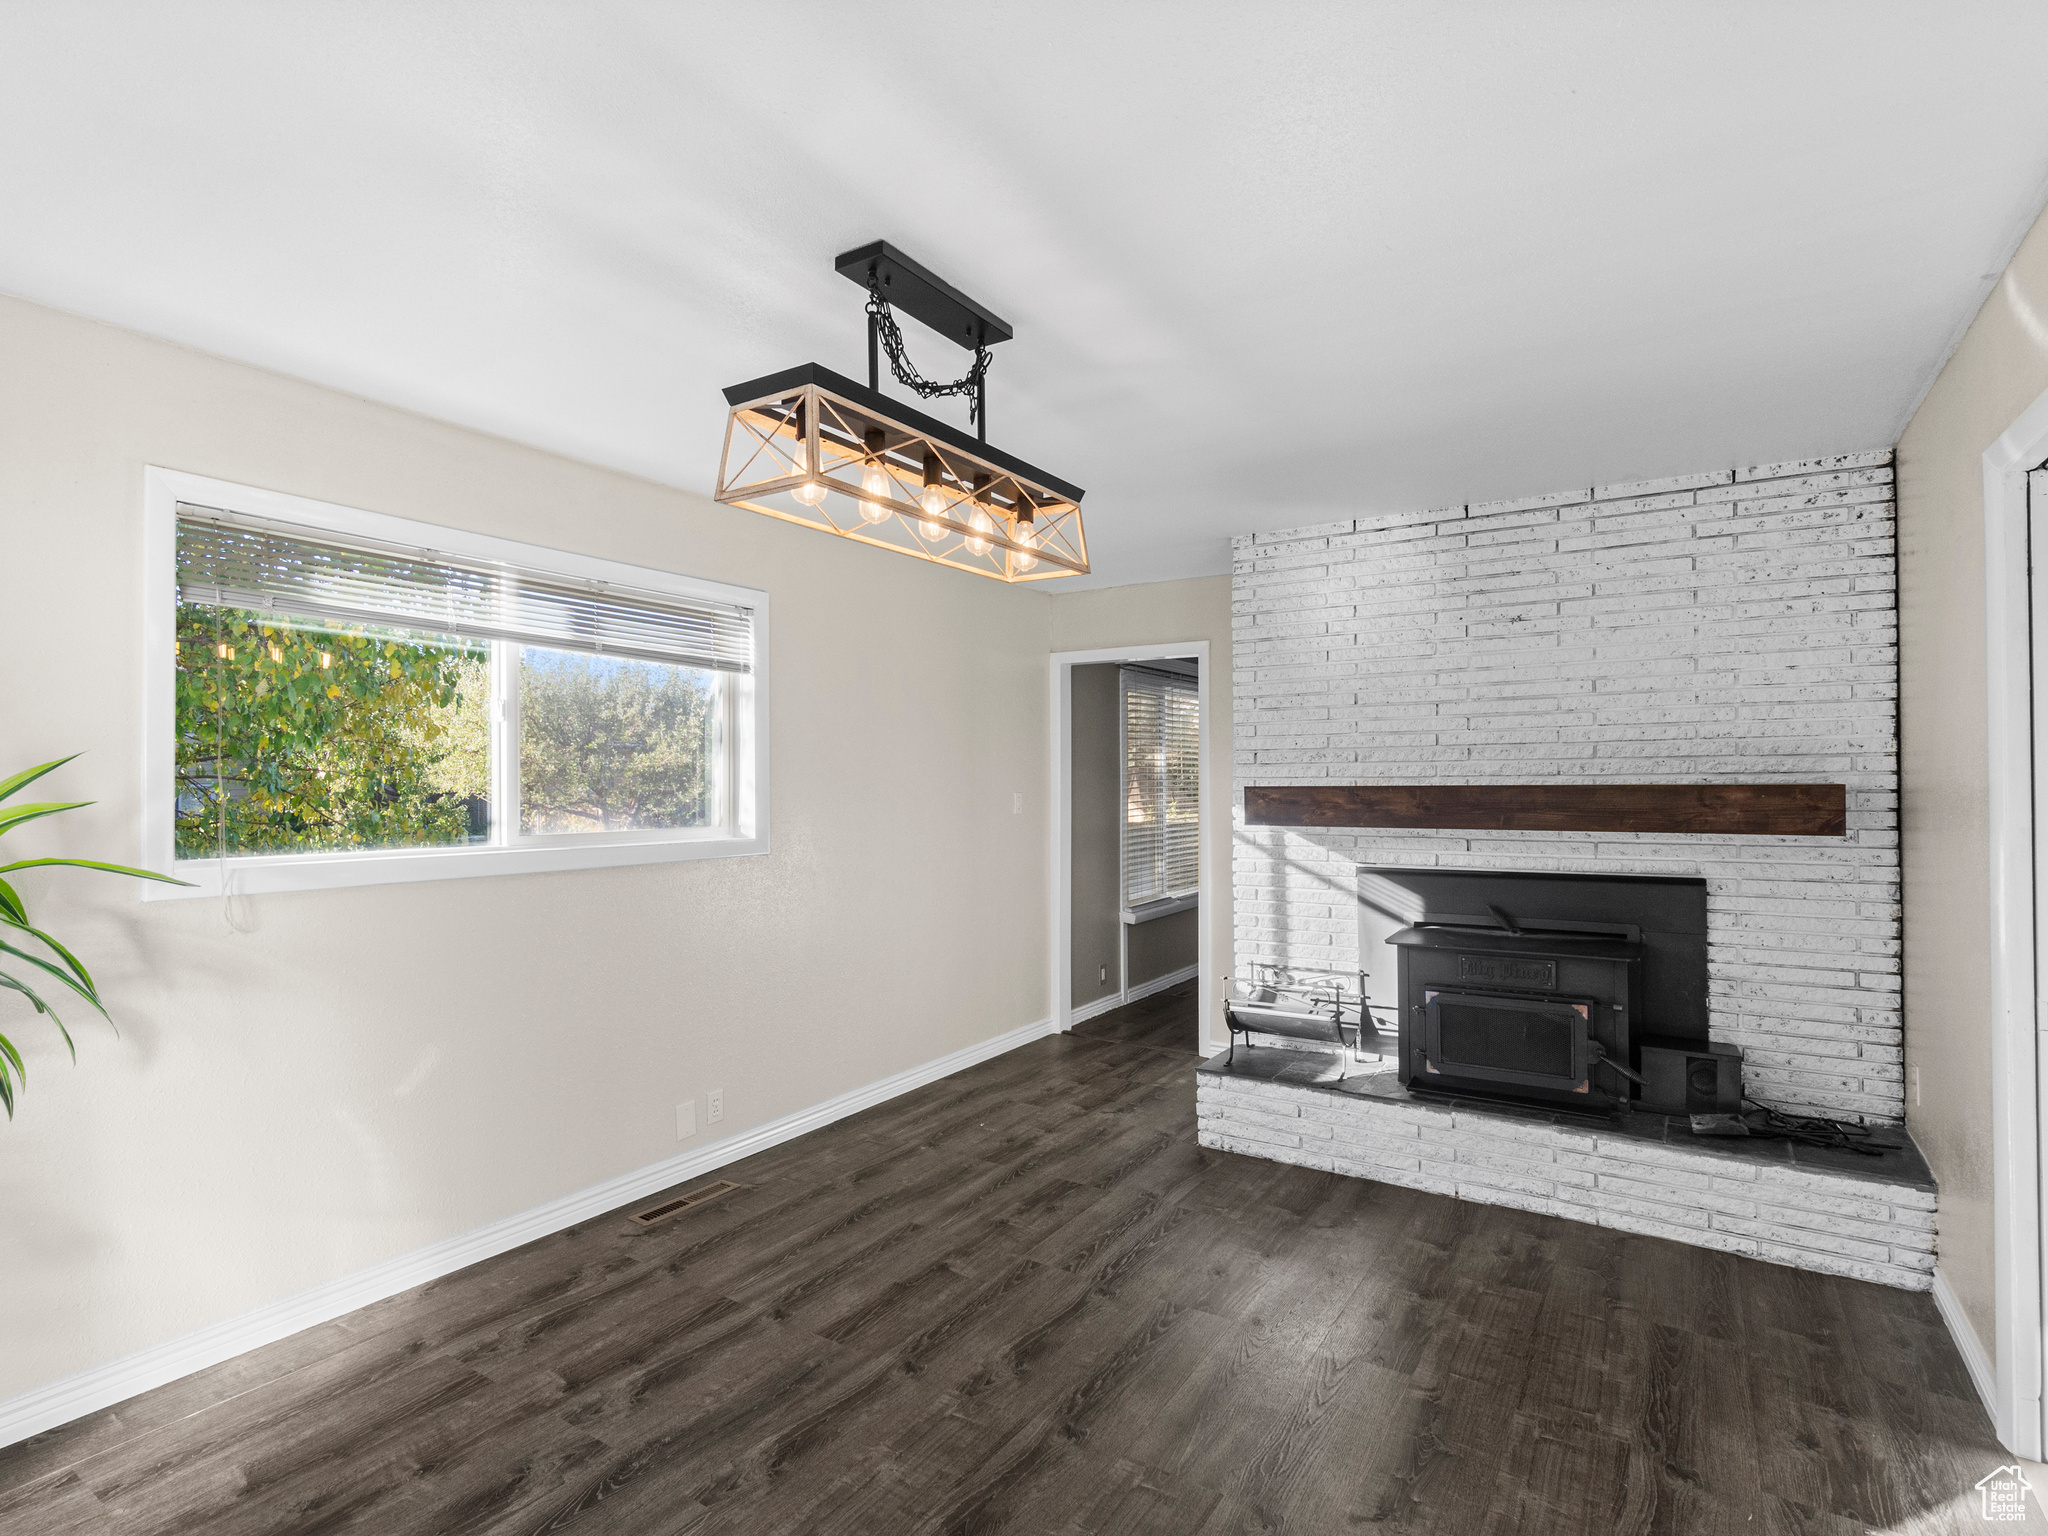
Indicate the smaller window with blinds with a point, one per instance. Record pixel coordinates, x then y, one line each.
1162 729
352 698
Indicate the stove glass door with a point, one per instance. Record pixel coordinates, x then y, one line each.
1536 1042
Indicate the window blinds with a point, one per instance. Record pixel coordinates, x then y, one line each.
1162 786
233 561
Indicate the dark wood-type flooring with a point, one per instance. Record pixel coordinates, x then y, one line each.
1165 1020
1023 1299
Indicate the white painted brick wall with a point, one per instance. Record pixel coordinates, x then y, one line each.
1732 625
1788 1215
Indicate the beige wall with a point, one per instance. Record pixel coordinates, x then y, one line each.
1157 614
1163 946
2000 369
366 1071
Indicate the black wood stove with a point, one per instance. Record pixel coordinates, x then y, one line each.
1537 987
1525 1012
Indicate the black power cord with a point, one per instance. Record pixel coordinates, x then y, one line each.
1811 1130
906 373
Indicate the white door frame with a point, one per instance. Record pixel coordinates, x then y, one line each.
1063 664
2016 1012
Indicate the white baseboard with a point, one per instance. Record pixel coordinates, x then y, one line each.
1982 1374
59 1402
1160 983
1116 1000
1096 1009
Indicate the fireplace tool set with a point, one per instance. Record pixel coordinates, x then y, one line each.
1326 1007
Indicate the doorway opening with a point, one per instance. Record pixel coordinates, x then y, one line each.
1131 845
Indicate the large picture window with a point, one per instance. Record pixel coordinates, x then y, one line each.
1162 730
355 698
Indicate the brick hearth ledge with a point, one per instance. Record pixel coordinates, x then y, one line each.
1812 1208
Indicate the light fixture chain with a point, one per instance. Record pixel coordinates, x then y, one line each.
906 372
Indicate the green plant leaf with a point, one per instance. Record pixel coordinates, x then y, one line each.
14 917
30 775
112 869
14 984
21 813
77 966
41 964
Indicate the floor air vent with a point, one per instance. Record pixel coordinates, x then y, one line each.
695 1197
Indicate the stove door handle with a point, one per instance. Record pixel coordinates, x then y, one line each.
1601 1058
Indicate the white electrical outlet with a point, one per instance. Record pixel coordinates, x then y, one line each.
686 1120
1017 804
1916 1083
1103 974
715 1105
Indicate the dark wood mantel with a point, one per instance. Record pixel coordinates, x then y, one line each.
1794 810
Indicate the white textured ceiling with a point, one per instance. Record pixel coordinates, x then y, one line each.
1268 264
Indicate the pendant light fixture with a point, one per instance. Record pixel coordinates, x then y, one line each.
811 446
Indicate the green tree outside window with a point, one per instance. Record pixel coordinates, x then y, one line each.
607 744
300 738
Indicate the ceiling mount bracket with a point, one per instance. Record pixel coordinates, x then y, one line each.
924 296
891 277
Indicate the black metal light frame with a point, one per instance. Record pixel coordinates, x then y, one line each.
811 446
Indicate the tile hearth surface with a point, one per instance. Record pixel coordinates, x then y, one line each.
1817 1208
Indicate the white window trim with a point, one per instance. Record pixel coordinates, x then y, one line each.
1165 906
743 740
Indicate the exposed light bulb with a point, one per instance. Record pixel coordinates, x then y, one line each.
933 500
875 481
1027 535
811 492
981 525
